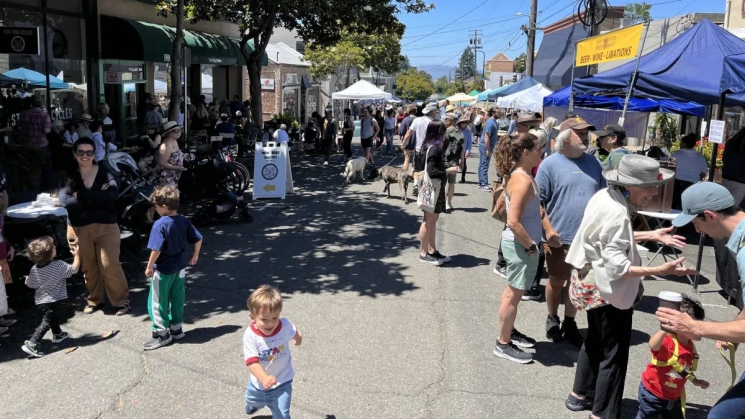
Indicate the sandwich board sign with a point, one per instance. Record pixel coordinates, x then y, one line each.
272 173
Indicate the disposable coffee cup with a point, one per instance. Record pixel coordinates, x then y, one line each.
669 299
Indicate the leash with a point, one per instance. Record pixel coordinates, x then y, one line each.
730 362
389 163
685 372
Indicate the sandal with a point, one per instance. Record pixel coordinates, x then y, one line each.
123 309
89 309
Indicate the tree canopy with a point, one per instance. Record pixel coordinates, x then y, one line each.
414 84
520 63
467 64
318 22
638 12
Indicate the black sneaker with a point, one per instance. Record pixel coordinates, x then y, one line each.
177 333
570 332
521 340
250 410
60 337
577 405
463 180
501 271
32 349
157 341
533 294
512 353
440 256
553 329
429 259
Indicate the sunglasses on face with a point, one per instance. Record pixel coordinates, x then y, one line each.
81 153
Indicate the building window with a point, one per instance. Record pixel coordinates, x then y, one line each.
290 100
300 47
67 61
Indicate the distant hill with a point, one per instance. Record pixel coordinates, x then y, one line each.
436 71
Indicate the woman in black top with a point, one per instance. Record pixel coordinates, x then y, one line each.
432 157
380 119
89 199
149 142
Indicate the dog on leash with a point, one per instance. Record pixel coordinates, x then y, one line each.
392 175
355 167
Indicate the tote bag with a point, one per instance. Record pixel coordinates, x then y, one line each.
429 189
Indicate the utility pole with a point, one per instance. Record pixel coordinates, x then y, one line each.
475 40
530 31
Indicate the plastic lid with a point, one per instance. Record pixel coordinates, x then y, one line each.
670 296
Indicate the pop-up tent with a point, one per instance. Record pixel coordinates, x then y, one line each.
35 79
523 84
561 99
685 69
530 99
361 90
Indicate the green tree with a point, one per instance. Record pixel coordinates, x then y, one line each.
338 60
638 12
403 63
311 19
413 84
467 64
520 63
442 84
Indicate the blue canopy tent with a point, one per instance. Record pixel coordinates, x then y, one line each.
523 84
5 80
683 69
483 96
561 99
35 79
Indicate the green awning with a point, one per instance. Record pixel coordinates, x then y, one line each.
126 39
473 92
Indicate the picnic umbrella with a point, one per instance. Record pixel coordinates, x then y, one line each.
460 97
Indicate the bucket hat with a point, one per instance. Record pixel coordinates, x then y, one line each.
636 170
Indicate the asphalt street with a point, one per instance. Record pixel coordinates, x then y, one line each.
384 335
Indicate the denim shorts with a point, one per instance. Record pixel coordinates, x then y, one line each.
276 399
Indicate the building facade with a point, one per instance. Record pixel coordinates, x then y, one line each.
499 63
286 85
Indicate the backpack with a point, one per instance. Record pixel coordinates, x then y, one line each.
202 112
454 150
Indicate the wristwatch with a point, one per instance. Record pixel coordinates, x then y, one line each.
532 249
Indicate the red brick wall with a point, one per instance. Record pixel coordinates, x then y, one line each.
272 100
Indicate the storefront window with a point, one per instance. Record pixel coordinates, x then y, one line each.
207 83
67 59
28 66
290 100
27 2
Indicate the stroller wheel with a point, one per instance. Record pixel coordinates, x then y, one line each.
200 219
246 216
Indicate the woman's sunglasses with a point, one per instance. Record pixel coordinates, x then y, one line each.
81 153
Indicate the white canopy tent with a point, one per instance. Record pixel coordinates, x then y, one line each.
361 90
530 99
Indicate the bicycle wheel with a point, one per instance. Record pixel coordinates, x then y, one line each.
246 174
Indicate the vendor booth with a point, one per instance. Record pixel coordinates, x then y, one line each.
530 99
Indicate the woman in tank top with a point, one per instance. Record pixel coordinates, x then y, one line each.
516 158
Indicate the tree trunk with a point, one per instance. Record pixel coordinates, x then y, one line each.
349 69
177 64
254 85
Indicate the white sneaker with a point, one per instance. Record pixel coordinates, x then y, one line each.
325 163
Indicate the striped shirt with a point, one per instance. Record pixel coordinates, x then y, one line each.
49 281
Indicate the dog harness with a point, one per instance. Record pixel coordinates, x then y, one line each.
685 372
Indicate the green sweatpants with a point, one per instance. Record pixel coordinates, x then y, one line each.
165 304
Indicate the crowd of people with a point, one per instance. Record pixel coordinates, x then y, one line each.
566 207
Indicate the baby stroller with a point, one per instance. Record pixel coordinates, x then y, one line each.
210 180
133 204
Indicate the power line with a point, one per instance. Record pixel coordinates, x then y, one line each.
464 28
444 26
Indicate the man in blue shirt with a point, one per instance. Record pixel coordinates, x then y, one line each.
513 125
487 142
467 143
566 181
713 211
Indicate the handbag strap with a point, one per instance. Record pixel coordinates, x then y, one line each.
426 157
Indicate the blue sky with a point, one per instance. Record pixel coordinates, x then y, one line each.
500 26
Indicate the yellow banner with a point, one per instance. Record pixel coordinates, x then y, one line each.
617 45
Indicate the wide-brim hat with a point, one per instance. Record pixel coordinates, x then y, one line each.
170 126
465 119
451 116
450 108
636 170
431 107
86 117
527 118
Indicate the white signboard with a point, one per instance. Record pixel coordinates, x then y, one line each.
716 132
267 84
272 174
703 129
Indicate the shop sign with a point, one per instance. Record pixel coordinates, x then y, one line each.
617 45
716 131
19 40
112 77
267 84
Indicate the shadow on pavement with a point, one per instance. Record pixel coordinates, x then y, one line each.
631 407
551 354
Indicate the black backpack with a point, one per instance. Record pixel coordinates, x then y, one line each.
454 150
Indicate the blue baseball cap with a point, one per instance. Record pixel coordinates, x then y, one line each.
703 196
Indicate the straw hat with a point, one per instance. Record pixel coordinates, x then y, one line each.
86 117
636 170
465 119
450 108
170 126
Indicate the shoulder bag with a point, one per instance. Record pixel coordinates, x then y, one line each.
498 206
429 189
